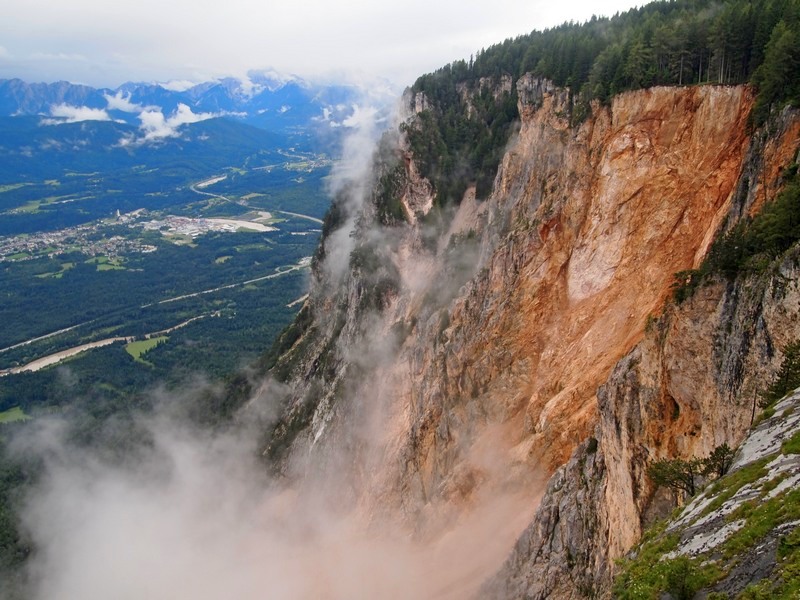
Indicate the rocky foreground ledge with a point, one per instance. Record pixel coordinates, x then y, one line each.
739 537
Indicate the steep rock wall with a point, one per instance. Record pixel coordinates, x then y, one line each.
579 245
590 226
691 384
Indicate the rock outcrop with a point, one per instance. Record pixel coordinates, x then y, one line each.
740 533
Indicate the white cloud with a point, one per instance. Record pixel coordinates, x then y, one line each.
123 103
248 88
4 53
362 117
156 126
178 85
59 56
271 79
395 40
66 113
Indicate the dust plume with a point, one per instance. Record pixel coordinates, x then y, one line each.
191 512
195 516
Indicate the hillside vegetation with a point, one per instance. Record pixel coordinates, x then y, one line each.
460 136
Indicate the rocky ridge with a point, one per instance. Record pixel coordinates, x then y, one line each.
740 533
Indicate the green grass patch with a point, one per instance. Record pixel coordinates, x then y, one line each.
785 584
34 206
247 247
181 239
648 577
111 267
765 414
757 591
54 199
19 256
792 445
30 208
12 186
761 517
726 488
76 174
142 347
13 415
57 274
222 259
105 263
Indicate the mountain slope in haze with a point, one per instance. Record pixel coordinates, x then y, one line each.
31 151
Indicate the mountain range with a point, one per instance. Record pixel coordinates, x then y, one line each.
49 129
264 100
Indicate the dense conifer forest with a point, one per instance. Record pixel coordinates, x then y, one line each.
679 42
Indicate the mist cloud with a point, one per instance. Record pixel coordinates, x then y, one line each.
350 180
178 85
121 102
66 113
192 515
154 126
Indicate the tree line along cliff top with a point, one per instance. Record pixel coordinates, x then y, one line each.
468 114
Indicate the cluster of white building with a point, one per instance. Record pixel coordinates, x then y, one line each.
195 227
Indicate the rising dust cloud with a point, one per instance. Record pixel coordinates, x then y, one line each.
193 515
198 519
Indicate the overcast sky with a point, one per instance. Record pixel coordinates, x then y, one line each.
105 43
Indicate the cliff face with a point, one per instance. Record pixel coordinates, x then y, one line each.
597 221
443 362
688 386
691 384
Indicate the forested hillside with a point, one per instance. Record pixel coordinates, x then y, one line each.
681 42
